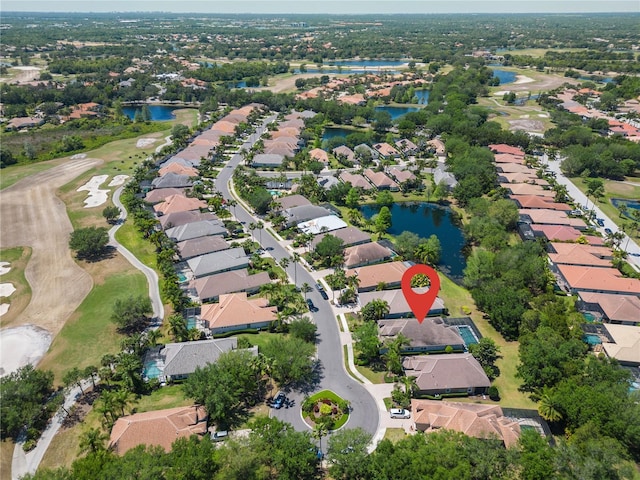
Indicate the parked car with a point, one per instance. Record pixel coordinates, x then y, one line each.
312 307
278 401
608 231
219 436
399 413
322 291
600 221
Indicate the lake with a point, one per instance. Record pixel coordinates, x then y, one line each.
504 76
422 96
426 219
332 132
396 112
158 112
631 205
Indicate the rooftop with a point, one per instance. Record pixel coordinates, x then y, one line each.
236 309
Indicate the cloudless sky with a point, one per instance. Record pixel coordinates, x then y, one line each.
318 6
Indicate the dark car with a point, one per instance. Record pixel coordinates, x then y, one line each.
311 306
608 231
322 291
600 221
278 401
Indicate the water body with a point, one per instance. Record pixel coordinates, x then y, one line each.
159 113
330 133
240 84
397 112
426 219
368 63
504 76
631 204
422 96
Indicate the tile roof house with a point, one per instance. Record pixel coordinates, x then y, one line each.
268 160
400 175
579 254
438 145
512 168
178 169
503 148
218 262
319 155
620 309
172 180
472 419
344 152
176 361
303 213
200 246
356 180
441 175
236 312
563 233
536 201
626 344
209 288
398 306
159 427
291 201
595 279
544 216
381 181
178 203
447 373
389 274
349 236
385 150
432 335
406 146
181 218
528 189
192 230
508 158
365 254
327 223
363 148
158 195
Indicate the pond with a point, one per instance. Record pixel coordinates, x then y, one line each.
159 113
426 219
396 112
332 132
631 205
504 75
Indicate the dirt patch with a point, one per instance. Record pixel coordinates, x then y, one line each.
537 82
32 215
527 125
288 84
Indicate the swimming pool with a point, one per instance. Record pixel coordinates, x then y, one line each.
589 317
592 339
191 322
468 337
151 370
182 277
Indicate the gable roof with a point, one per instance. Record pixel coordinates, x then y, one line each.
504 148
386 150
159 427
348 235
291 201
446 371
472 419
212 286
536 201
179 203
158 195
236 309
626 346
552 217
356 180
401 175
199 246
617 308
598 279
172 180
183 358
371 252
176 219
563 233
432 332
578 254
527 189
380 179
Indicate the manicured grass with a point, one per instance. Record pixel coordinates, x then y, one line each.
371 375
170 396
133 241
18 258
334 397
395 434
89 333
458 300
6 457
261 339
12 174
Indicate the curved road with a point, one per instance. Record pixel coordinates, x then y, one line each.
329 349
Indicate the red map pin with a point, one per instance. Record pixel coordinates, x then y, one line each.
420 303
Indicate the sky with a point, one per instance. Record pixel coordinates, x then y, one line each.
329 6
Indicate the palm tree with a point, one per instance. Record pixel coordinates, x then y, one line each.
260 226
178 327
319 430
92 440
548 408
296 259
379 307
284 263
233 204
91 371
252 227
306 288
121 399
153 336
409 384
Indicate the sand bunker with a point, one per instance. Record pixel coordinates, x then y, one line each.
118 180
4 267
22 345
145 142
4 308
6 289
78 156
501 93
96 196
522 79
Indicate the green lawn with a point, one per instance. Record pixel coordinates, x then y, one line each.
395 434
133 241
371 375
89 333
259 339
18 258
165 397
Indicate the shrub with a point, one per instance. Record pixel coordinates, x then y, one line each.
493 392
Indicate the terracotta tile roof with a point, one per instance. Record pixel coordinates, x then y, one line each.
438 145
356 180
371 275
235 309
159 427
158 195
552 217
381 179
319 155
181 218
599 280
179 169
472 419
626 348
535 201
386 150
617 308
401 175
503 148
528 189
513 168
509 158
211 287
179 203
562 233
344 151
579 254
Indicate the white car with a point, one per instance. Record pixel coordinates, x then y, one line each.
399 413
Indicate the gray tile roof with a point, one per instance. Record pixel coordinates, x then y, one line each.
202 228
211 287
349 235
201 246
432 332
223 261
184 358
172 180
176 219
303 213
